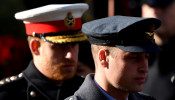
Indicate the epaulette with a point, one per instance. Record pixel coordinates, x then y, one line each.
11 79
146 96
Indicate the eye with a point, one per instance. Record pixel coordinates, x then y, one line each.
73 44
147 56
132 56
54 46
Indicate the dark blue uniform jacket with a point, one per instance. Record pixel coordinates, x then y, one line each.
32 85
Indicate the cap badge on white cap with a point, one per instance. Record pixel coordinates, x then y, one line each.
69 21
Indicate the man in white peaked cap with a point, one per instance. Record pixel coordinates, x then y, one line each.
53 36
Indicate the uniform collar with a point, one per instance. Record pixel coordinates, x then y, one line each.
89 90
37 79
106 94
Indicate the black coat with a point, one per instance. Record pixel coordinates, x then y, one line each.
89 91
32 85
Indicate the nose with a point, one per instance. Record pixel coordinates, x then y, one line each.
68 55
143 69
143 66
71 51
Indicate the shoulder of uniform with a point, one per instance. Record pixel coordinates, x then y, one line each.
73 98
11 79
146 96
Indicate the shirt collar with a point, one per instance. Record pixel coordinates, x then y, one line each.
107 95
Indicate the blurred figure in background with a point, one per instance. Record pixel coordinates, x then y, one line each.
15 55
86 63
162 66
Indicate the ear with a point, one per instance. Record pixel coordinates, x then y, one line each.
34 46
103 57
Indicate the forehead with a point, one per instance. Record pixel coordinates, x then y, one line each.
124 53
57 44
131 53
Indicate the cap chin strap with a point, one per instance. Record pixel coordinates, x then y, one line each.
67 38
62 37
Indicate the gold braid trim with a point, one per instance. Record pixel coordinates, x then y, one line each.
67 38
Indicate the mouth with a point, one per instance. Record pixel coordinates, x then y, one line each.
140 80
68 66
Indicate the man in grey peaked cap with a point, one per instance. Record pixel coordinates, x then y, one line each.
53 36
120 48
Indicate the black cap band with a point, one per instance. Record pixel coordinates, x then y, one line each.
99 41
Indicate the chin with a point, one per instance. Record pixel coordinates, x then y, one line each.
67 77
136 90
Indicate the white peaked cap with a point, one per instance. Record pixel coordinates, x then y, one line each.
56 23
51 12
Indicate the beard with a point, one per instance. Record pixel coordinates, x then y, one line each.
63 70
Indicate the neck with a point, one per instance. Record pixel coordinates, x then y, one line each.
119 94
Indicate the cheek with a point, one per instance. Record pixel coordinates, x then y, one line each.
49 55
116 69
44 51
123 72
75 53
126 76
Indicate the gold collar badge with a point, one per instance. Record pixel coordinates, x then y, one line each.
69 21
